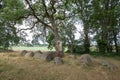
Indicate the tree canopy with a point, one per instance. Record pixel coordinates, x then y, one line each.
11 13
54 21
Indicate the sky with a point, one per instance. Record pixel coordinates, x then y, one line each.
29 37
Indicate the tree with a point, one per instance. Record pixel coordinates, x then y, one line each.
69 31
106 17
11 12
83 10
49 14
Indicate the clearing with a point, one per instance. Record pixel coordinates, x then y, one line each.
15 67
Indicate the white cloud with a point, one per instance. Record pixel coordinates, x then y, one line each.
79 31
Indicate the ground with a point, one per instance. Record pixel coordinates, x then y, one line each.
15 67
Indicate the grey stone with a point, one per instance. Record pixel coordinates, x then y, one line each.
29 54
86 60
48 56
37 55
108 65
38 52
23 52
58 60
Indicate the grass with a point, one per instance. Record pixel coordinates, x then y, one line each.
15 67
44 48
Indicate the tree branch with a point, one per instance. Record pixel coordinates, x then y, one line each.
52 2
39 20
46 12
28 28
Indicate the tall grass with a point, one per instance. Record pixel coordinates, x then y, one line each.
15 67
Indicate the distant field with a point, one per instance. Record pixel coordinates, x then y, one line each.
31 48
44 48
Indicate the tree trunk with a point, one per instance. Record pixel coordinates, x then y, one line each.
86 39
116 46
115 40
104 35
87 44
58 43
104 41
109 46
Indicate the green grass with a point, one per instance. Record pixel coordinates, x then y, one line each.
31 48
42 48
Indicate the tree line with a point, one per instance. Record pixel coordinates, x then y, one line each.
54 21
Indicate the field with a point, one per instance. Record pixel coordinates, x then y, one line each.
15 67
44 48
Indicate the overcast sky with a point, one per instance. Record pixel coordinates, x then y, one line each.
29 37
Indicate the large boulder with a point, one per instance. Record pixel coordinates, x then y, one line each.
57 54
58 60
48 56
29 54
37 54
86 60
108 65
23 52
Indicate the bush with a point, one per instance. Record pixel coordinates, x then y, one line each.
77 49
102 45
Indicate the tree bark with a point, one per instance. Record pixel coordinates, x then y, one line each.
86 39
58 40
58 43
115 41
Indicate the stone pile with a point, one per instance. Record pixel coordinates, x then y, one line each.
84 60
47 56
88 60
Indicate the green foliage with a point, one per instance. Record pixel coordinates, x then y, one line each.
102 45
11 12
98 16
105 21
8 36
51 40
87 47
77 49
84 11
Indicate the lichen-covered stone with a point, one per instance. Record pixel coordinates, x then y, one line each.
23 52
108 65
48 56
86 60
37 54
58 60
29 54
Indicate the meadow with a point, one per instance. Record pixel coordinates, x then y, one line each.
16 67
42 48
